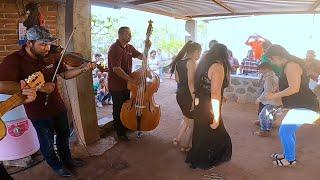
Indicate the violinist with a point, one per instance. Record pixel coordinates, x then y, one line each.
120 67
47 119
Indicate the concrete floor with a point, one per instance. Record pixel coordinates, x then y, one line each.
154 157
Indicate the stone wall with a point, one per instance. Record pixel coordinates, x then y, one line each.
317 92
243 89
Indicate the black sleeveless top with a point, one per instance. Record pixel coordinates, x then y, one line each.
205 84
182 70
305 98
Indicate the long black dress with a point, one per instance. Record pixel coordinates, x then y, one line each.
210 147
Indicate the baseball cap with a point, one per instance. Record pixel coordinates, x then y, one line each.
39 33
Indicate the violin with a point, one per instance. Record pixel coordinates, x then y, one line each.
73 59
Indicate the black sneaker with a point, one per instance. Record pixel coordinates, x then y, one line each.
74 163
64 172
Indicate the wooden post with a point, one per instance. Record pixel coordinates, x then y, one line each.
80 89
191 28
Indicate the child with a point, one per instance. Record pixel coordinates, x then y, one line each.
103 93
268 112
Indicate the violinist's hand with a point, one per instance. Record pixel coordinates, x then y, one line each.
47 88
89 66
30 93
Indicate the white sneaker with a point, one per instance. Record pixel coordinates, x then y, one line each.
99 104
161 80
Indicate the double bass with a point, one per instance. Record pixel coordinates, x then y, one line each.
141 112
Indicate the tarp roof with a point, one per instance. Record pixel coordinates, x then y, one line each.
187 9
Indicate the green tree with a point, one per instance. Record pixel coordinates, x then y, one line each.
104 33
167 41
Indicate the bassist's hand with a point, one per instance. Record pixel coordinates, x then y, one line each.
30 93
135 82
148 43
149 75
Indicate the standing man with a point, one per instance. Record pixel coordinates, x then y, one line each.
310 58
120 64
47 119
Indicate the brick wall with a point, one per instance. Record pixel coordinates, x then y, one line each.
9 20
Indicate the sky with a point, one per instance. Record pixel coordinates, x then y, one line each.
297 33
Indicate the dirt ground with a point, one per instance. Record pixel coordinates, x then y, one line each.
154 157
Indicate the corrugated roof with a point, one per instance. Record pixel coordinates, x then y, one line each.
205 8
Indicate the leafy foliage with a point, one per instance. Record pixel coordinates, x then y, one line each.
104 32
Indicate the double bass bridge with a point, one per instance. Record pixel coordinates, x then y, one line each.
140 107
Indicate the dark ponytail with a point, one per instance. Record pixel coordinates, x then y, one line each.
179 56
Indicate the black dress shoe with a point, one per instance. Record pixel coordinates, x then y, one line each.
124 138
192 166
64 172
73 163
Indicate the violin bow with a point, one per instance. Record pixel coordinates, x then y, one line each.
60 60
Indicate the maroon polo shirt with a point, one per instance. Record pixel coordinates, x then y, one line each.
119 56
18 66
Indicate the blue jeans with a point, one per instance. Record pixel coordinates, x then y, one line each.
103 96
161 72
287 134
45 130
293 120
266 117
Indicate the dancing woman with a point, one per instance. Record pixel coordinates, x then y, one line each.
184 66
211 144
296 96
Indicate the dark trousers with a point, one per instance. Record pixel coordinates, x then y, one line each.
261 106
4 174
45 129
119 97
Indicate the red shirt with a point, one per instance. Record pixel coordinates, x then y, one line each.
18 66
119 56
257 49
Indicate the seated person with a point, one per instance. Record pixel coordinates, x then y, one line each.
103 93
233 62
96 82
269 107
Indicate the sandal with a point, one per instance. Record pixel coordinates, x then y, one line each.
284 163
175 142
263 133
276 156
